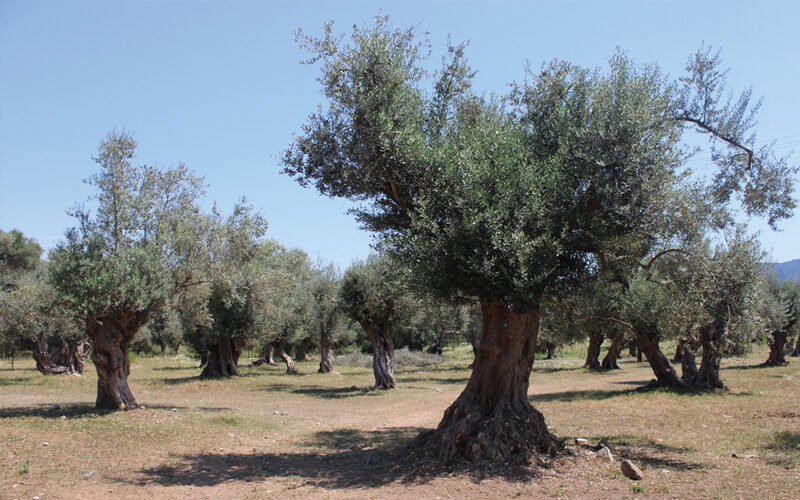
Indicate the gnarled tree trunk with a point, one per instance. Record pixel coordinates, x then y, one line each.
662 369
708 374
110 339
796 351
493 419
688 364
223 358
614 350
633 348
596 338
291 368
551 350
326 355
382 355
777 349
60 358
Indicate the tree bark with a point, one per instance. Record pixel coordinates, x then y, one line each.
493 419
60 358
633 349
796 351
110 339
596 338
777 349
678 352
223 358
551 351
326 355
475 341
382 355
291 368
662 369
708 374
614 350
688 364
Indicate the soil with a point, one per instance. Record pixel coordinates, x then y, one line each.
328 435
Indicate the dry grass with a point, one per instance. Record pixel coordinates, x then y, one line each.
330 436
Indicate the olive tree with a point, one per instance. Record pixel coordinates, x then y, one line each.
126 260
499 201
370 295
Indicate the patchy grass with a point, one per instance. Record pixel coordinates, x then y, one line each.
266 433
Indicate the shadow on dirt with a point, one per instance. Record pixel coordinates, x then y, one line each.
322 392
87 410
580 395
651 453
356 458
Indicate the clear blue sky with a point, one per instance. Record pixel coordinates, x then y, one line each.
217 85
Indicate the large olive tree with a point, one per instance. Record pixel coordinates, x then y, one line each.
498 203
126 259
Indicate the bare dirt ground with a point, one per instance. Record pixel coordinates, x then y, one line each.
329 436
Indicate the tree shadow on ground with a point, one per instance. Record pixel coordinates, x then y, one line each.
555 369
85 410
651 453
358 459
324 392
596 395
750 367
197 378
16 381
785 448
455 380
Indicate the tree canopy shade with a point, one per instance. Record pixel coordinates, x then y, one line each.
123 263
497 200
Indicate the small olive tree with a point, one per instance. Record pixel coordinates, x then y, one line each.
126 260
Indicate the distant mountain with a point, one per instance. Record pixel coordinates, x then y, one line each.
789 271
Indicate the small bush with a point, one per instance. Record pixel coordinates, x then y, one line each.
24 468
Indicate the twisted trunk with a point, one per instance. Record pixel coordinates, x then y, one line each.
493 419
708 374
382 355
291 368
326 355
222 359
796 351
614 350
662 369
111 337
633 349
551 350
777 349
596 338
688 364
60 358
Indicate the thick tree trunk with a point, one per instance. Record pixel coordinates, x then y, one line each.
493 420
678 352
475 341
688 365
326 355
708 374
60 358
300 353
796 351
551 351
633 348
382 355
596 338
110 339
777 349
662 369
614 350
291 368
223 359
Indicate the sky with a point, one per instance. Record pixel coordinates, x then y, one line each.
218 85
